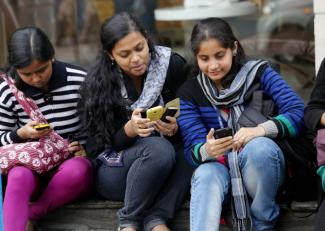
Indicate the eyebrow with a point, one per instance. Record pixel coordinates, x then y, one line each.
42 67
139 43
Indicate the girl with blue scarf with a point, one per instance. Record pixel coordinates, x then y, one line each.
249 167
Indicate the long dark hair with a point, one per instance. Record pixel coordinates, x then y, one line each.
25 45
101 96
216 28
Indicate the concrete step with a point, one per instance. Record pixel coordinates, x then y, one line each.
99 215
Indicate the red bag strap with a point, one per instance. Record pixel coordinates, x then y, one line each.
29 106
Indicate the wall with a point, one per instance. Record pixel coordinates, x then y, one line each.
2 40
319 10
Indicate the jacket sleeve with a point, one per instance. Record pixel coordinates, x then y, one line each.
316 105
192 128
8 122
290 107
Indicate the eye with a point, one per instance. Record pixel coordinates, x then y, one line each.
41 70
204 58
26 74
124 54
220 55
139 48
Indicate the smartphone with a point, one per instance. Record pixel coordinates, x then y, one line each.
155 113
222 132
170 111
40 127
143 114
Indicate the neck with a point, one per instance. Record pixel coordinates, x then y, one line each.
137 81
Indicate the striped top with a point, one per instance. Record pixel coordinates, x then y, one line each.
197 115
58 105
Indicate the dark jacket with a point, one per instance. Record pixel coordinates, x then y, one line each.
316 105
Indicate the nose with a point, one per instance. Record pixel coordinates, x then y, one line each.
135 58
213 65
36 78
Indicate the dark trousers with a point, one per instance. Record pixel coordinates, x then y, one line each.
320 218
151 185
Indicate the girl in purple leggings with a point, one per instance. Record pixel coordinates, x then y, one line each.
54 87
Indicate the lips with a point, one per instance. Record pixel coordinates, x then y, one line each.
214 73
138 67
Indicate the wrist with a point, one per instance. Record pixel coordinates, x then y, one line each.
128 129
204 153
21 134
261 130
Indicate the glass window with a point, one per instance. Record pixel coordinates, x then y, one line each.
281 31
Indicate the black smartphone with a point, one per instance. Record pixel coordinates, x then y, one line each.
222 132
143 114
170 111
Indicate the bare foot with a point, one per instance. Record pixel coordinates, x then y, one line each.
160 228
30 226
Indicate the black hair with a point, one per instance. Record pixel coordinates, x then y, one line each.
219 29
25 45
102 101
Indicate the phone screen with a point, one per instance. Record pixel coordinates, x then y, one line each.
222 132
170 111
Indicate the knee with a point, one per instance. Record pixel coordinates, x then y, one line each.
210 176
79 171
20 175
261 151
160 150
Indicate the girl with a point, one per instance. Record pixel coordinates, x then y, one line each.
53 85
249 166
315 120
138 163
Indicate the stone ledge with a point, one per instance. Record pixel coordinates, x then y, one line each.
295 206
100 215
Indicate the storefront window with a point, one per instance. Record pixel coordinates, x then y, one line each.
281 30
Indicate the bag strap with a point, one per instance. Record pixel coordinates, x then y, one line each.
29 106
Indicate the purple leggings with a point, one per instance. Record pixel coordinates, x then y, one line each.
71 180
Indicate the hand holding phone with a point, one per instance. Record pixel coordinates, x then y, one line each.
222 132
170 111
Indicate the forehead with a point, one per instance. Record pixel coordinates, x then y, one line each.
33 67
129 42
210 46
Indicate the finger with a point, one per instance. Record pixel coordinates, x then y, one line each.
33 123
73 149
137 111
210 134
171 119
43 133
236 146
142 122
80 153
74 143
223 139
164 126
226 144
145 134
146 130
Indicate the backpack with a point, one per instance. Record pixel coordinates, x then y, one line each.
301 183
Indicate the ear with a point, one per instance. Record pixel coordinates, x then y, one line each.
110 56
234 51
